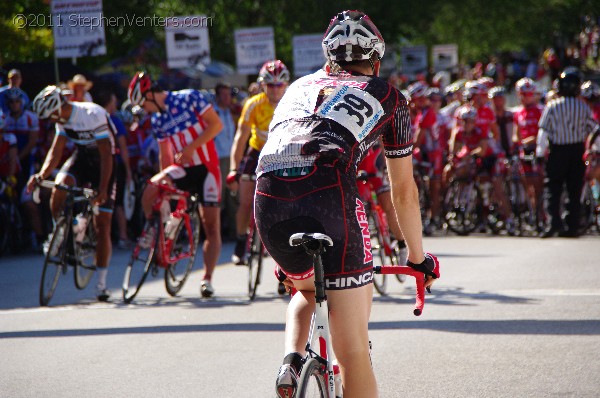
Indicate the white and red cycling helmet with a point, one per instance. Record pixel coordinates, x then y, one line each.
474 87
352 36
590 90
48 101
417 90
274 72
139 85
466 113
525 86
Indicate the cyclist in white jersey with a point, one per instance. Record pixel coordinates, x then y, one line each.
89 126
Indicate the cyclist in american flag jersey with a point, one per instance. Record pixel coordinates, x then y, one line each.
185 124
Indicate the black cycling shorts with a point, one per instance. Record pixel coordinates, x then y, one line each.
86 170
249 162
325 200
201 181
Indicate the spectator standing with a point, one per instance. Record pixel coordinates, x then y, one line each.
80 86
566 123
14 81
108 101
223 143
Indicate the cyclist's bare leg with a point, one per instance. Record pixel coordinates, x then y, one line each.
151 192
57 200
385 200
298 316
349 319
245 209
211 222
499 194
102 223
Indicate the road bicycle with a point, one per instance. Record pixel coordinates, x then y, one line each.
525 214
72 241
384 250
319 376
590 203
173 246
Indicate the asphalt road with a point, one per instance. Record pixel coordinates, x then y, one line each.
510 317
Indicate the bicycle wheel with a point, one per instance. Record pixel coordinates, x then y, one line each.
588 208
177 273
85 253
142 258
255 257
312 381
54 261
378 251
463 200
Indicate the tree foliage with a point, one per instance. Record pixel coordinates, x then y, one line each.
479 28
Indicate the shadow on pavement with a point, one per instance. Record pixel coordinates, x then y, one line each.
497 327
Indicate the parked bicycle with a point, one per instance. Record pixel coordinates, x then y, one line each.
173 246
72 242
525 213
320 376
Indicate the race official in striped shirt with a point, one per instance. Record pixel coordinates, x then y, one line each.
565 124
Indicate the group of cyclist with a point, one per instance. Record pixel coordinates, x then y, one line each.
322 130
475 127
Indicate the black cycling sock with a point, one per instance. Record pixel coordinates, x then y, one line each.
402 244
294 359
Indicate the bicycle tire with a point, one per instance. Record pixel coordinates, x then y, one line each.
464 211
54 261
255 258
312 382
177 273
378 252
85 254
142 258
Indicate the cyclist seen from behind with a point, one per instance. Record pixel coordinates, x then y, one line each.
89 127
185 125
252 131
321 130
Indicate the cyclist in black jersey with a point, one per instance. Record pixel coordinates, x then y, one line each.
89 126
321 130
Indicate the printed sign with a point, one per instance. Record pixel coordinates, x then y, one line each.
413 59
308 54
78 28
187 41
445 57
253 47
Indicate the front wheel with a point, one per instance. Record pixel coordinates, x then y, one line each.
312 383
255 256
184 249
54 261
142 259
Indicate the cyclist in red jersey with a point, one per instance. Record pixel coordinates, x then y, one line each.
9 164
526 119
185 124
590 92
427 140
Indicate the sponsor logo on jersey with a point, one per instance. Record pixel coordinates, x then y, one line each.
349 281
363 222
335 83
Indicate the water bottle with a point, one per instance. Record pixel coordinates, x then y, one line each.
79 227
171 226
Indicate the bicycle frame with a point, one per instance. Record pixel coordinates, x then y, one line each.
370 197
319 333
165 244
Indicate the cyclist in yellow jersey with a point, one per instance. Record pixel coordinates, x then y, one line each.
250 137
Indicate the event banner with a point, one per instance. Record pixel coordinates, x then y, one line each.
253 47
187 41
308 54
413 59
78 28
445 57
